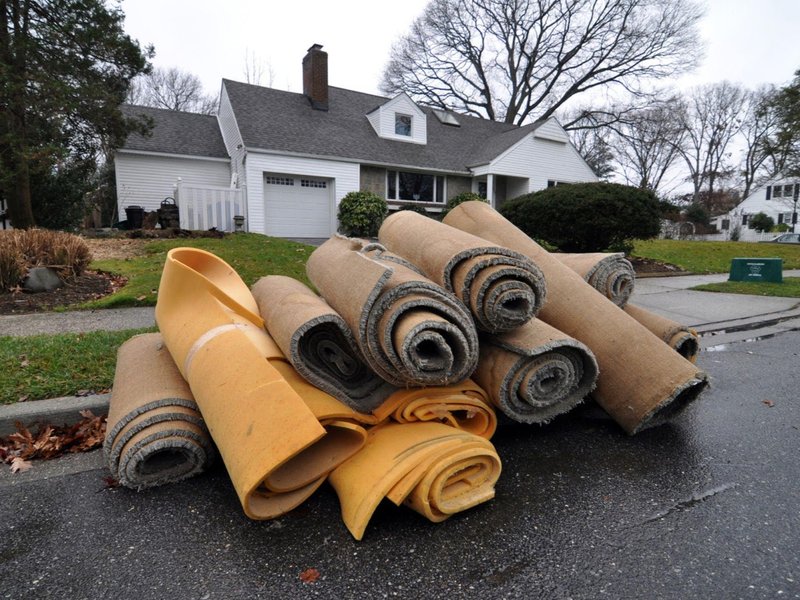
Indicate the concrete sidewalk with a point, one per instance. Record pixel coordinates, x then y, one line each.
720 319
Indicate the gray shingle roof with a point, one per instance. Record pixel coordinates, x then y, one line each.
275 120
177 132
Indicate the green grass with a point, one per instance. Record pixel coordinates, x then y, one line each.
714 257
51 366
790 288
252 255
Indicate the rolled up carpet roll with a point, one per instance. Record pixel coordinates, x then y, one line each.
318 342
535 372
611 274
432 468
155 434
502 289
684 340
410 331
275 450
642 382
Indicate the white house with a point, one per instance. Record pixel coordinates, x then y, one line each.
777 199
284 160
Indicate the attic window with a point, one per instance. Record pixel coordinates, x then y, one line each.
446 118
402 124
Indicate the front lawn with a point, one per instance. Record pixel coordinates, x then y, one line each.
790 288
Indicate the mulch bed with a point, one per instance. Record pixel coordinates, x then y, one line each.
89 286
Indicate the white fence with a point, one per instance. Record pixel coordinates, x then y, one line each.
204 207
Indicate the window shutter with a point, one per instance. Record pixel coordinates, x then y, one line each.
769 192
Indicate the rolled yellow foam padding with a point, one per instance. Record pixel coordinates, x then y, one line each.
465 406
318 342
432 468
684 340
535 372
410 331
265 432
155 434
502 288
642 381
611 274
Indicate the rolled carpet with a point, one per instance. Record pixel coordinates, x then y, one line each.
535 372
155 434
318 342
684 340
274 448
611 274
642 382
410 331
502 289
432 468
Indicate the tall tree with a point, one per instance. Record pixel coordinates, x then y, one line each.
65 67
512 60
647 144
784 144
712 118
760 123
172 89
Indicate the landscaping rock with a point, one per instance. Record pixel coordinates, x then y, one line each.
42 279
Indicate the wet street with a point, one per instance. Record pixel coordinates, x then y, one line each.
706 507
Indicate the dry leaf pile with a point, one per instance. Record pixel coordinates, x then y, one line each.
52 441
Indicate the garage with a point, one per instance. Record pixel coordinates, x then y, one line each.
298 205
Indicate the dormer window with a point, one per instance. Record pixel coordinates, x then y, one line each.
402 124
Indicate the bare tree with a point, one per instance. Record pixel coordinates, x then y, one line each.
647 144
172 89
511 60
760 124
712 117
254 71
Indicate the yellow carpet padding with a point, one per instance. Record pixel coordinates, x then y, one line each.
501 288
154 432
642 381
611 274
680 338
410 331
432 468
535 372
273 445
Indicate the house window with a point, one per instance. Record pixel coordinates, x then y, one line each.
280 180
482 189
726 224
553 183
744 219
402 124
417 187
788 191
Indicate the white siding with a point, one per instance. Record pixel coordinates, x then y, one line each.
145 180
345 178
551 130
757 202
383 120
231 134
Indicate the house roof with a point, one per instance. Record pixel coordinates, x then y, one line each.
176 132
276 120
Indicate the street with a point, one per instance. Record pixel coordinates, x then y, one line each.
705 507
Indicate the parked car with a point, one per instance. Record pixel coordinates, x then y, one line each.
785 238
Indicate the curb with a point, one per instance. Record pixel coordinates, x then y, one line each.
56 411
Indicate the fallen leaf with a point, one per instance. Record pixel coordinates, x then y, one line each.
83 393
110 482
309 575
769 403
24 398
19 465
140 298
23 361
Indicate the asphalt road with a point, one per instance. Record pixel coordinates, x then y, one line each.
706 507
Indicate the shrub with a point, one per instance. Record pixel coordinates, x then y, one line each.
780 228
462 197
414 208
22 249
587 217
361 214
762 222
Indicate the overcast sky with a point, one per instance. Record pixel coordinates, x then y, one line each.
748 41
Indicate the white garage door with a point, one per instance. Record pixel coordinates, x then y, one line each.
297 206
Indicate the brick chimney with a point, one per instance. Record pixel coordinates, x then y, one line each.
315 77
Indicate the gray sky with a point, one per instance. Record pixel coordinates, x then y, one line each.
748 41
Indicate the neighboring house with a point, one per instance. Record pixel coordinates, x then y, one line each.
777 199
292 157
